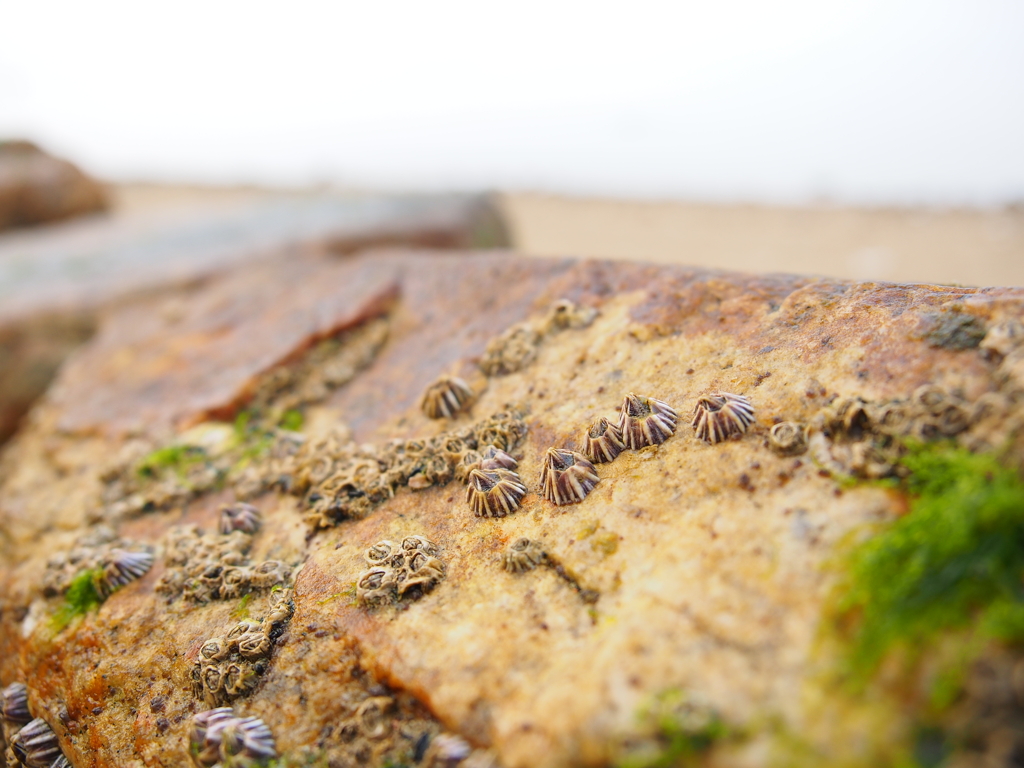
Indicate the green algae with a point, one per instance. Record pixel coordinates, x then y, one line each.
292 420
173 457
82 596
955 561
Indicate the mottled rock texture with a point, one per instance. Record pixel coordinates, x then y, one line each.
690 567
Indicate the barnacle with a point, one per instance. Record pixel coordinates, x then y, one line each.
239 679
446 397
495 492
1003 338
219 737
421 574
722 415
239 517
566 314
215 649
602 441
849 418
511 351
421 544
931 399
380 552
269 573
523 555
787 439
645 421
371 716
376 585
234 581
14 704
243 627
567 477
36 745
204 567
120 567
410 571
254 645
493 457
893 417
281 607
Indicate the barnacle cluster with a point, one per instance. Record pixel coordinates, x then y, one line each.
230 666
446 397
341 480
721 416
867 438
517 347
219 737
31 742
401 571
567 477
214 566
522 555
114 562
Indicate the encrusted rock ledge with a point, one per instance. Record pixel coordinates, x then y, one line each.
407 619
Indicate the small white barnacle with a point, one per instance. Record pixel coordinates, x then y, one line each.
446 397
239 679
270 572
36 745
420 544
281 608
566 314
645 421
722 415
421 574
239 517
787 439
931 399
254 645
381 552
602 442
242 628
121 567
494 492
215 649
376 585
567 477
522 555
14 704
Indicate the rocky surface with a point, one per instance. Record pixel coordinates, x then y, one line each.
692 573
36 187
55 280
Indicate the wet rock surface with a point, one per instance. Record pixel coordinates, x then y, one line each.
538 637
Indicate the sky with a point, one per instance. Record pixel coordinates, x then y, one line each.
786 102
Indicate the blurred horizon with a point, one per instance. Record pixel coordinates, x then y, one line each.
871 104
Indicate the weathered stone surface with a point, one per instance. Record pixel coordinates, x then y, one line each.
36 187
54 280
689 566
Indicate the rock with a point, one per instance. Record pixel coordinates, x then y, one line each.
36 187
55 280
692 580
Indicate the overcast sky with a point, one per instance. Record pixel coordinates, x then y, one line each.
870 102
